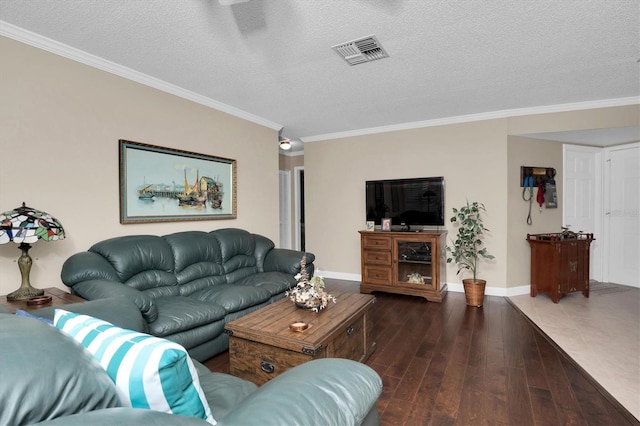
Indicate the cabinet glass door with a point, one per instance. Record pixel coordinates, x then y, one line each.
414 262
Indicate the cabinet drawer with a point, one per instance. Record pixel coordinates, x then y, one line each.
374 257
377 243
375 275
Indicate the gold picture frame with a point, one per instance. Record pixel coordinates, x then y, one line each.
159 184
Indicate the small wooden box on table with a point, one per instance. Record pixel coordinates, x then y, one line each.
262 346
559 265
58 298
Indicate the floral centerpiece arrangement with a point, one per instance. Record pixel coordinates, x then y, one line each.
309 293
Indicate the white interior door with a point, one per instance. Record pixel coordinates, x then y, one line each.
582 201
622 219
285 209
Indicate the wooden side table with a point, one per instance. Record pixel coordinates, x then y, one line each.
559 265
58 298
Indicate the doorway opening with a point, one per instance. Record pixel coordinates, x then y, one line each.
601 196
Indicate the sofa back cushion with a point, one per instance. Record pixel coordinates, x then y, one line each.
144 262
198 260
241 256
148 372
181 263
46 375
206 259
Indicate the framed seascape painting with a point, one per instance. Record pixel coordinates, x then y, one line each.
167 185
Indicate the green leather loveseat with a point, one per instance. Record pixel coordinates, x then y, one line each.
48 377
188 285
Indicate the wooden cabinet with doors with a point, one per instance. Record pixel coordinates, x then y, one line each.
559 265
411 263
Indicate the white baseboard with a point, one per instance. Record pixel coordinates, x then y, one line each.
339 275
454 287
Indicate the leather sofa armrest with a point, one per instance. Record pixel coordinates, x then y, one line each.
86 266
119 311
99 289
125 416
328 391
288 261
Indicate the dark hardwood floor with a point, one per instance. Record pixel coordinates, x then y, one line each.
446 363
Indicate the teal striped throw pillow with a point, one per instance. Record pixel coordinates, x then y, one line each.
148 372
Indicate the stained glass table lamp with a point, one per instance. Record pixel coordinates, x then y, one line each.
25 226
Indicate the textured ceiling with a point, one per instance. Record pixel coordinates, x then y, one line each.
273 59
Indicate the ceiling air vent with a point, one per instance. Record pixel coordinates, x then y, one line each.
362 50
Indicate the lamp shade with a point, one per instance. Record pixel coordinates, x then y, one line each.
27 225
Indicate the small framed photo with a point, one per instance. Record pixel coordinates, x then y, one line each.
371 225
386 224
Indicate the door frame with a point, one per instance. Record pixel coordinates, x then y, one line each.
297 213
285 208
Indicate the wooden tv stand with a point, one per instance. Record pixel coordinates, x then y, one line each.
391 260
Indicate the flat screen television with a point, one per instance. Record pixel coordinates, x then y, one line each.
414 202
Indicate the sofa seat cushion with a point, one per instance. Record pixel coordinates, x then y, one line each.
178 313
148 372
232 297
223 392
274 282
46 375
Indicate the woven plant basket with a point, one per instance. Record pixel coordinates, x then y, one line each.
474 291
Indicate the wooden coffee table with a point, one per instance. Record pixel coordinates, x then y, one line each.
58 298
262 345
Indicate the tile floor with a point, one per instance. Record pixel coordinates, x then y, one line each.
601 333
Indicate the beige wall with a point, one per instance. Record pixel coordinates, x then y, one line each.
289 162
59 130
61 120
537 153
480 161
472 157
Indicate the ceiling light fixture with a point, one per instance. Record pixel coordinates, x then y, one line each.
285 144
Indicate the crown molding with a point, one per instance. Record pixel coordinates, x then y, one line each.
60 49
291 153
606 103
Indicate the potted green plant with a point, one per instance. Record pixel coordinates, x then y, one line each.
467 249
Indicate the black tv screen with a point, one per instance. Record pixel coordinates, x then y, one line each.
414 202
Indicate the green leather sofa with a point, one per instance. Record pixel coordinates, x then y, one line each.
188 285
49 378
